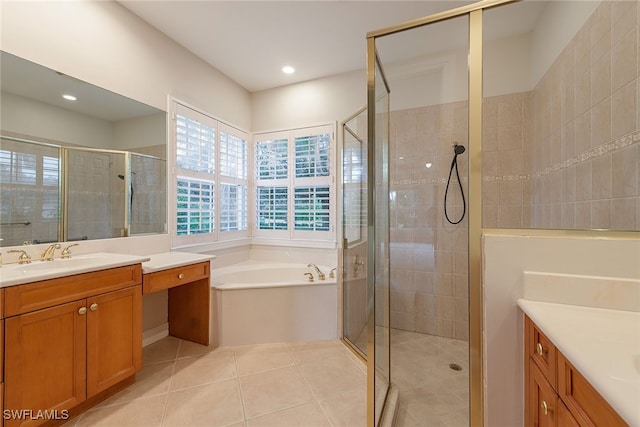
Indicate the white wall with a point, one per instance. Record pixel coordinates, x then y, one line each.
103 43
505 258
309 103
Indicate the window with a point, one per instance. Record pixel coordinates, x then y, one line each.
295 184
211 185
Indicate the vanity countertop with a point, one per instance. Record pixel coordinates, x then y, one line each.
16 274
602 344
167 260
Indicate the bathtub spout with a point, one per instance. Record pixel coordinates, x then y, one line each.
320 273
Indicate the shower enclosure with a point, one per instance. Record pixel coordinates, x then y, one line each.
411 276
497 114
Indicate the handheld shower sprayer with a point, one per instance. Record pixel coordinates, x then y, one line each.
457 150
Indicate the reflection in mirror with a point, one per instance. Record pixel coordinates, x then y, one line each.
95 194
29 191
104 136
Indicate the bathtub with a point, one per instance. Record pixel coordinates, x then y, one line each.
256 303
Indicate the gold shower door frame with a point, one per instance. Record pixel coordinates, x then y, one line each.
474 12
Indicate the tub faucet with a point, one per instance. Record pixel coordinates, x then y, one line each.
320 273
47 255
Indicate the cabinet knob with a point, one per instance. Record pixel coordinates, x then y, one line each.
94 306
545 407
181 276
82 310
539 349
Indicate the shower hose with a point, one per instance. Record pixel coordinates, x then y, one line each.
458 149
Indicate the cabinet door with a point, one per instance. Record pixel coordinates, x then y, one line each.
114 338
542 399
565 419
45 362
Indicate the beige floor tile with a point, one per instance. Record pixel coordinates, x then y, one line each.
152 380
161 351
348 409
188 348
332 376
138 413
270 391
207 368
317 350
307 415
262 358
211 405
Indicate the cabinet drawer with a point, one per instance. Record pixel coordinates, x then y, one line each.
582 399
47 293
165 279
542 351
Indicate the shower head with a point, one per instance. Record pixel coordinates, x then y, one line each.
458 149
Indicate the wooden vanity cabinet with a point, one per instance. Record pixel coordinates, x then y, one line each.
188 307
64 356
556 394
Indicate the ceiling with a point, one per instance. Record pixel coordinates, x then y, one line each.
250 41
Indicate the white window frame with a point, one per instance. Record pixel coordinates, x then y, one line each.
178 107
291 182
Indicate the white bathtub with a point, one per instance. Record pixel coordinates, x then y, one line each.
257 303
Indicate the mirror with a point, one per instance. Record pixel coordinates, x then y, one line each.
83 169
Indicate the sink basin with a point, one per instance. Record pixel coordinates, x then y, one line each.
58 264
15 274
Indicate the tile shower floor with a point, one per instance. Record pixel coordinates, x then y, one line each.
280 385
430 392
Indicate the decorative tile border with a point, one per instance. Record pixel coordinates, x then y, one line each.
601 150
617 144
506 178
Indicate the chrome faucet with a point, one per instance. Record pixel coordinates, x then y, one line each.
320 273
66 253
24 257
332 273
47 255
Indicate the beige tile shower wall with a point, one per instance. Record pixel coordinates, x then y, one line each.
586 118
506 161
429 286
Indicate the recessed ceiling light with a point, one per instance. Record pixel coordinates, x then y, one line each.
288 69
69 97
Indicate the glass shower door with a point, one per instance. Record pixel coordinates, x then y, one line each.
378 304
354 231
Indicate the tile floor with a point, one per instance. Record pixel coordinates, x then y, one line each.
280 385
430 393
